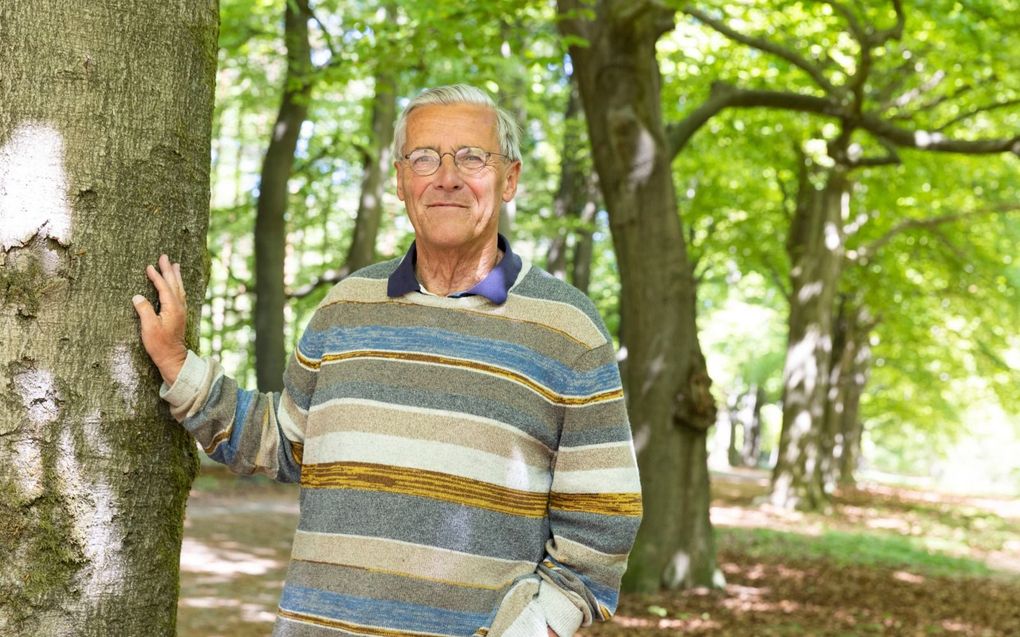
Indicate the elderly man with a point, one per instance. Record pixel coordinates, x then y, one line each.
455 417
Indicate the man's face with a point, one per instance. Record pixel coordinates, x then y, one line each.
450 209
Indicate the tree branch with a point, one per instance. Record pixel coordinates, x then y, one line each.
911 95
936 141
777 279
891 158
978 109
765 46
329 277
326 35
894 32
625 14
724 96
930 104
572 20
867 252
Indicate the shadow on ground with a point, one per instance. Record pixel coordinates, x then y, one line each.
883 561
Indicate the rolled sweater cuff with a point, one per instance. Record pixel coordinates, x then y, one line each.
560 613
186 386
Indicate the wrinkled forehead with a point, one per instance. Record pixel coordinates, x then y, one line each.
451 126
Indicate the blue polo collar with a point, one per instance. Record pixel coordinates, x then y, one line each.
495 286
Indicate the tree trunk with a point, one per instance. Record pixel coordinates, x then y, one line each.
663 369
815 248
854 382
270 224
576 200
104 164
376 169
745 414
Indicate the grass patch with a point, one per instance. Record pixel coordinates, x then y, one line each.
850 548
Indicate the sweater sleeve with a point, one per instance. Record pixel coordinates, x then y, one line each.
595 499
248 431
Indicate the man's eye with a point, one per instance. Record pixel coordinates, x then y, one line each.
472 159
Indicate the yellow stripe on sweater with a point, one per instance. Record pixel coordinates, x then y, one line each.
358 629
625 504
426 484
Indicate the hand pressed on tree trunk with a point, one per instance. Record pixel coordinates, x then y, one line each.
163 333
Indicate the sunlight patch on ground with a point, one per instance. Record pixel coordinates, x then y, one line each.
248 612
766 516
910 578
197 557
680 625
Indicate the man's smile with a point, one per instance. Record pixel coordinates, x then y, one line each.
446 204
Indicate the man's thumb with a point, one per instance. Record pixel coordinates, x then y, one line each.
143 307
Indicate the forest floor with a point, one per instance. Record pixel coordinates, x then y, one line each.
883 561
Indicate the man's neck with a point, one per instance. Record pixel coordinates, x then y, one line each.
444 272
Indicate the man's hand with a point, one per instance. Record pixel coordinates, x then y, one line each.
552 633
163 333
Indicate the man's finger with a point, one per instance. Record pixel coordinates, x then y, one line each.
166 295
180 283
166 268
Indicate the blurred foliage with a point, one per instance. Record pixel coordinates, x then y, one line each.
946 294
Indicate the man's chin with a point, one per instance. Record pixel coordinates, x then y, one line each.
453 238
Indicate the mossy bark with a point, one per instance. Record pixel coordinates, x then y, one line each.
104 155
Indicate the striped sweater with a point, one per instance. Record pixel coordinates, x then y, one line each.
466 468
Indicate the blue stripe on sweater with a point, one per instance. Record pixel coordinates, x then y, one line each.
379 613
511 356
607 596
245 400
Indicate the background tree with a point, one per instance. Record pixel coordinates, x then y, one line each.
866 90
104 163
613 52
271 211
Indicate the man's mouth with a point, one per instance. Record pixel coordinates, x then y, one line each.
445 204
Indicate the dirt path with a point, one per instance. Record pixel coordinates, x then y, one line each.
787 573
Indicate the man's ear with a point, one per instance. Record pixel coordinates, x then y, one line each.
510 186
399 165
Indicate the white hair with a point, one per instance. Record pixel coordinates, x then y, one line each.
506 128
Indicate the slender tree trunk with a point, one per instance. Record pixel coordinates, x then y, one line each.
831 436
815 247
663 369
104 164
376 168
584 238
570 251
842 427
270 224
745 415
566 204
752 430
854 383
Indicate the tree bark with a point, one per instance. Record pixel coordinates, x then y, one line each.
663 369
270 219
104 164
564 202
376 169
843 416
571 250
815 246
745 415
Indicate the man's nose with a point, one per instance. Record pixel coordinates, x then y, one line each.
448 175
